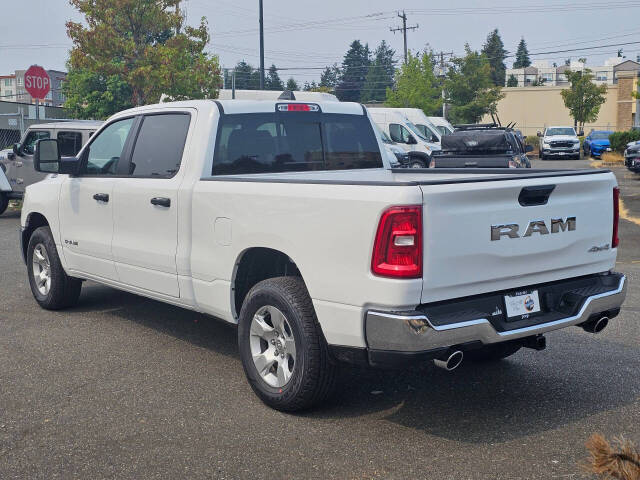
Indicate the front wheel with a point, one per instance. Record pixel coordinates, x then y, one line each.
52 288
417 164
4 203
283 351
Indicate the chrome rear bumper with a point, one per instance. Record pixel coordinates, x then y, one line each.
413 332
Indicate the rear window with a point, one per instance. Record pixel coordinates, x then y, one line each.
292 142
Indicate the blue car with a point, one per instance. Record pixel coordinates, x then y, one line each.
596 143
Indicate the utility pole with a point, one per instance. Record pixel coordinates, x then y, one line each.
404 29
442 75
261 48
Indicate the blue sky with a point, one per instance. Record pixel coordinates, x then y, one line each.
314 34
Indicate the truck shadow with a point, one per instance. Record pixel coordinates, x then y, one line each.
577 377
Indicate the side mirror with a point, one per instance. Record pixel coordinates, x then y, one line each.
411 140
46 157
434 139
539 134
528 148
17 150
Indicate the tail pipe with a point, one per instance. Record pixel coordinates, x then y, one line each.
596 325
450 361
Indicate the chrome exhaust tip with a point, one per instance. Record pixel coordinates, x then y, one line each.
596 326
451 361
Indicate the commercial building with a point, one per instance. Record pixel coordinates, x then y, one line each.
12 88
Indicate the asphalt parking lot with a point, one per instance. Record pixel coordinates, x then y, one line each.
125 387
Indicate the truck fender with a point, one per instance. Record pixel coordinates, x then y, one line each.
425 158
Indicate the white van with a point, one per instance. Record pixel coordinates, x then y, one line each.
420 120
443 126
406 135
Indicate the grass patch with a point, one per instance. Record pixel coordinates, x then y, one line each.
611 158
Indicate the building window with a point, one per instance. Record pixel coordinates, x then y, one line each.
546 78
8 82
20 81
602 76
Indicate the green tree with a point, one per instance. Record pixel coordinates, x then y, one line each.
522 55
470 90
247 77
417 86
329 77
355 66
143 44
292 85
380 74
90 95
272 80
512 81
583 98
496 54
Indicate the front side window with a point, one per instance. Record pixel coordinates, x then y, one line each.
290 142
399 133
159 146
103 155
29 144
69 143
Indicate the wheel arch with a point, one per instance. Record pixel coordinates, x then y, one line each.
254 265
420 156
33 221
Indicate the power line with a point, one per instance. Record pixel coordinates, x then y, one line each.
404 29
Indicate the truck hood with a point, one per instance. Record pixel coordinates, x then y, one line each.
603 143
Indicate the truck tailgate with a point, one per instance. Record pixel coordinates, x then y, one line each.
462 259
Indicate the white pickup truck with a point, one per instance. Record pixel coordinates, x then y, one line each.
279 217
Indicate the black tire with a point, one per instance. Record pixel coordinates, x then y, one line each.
64 290
4 203
542 156
417 164
492 353
313 375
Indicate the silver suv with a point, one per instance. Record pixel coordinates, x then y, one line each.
16 164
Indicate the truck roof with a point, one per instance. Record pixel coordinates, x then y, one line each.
248 106
75 124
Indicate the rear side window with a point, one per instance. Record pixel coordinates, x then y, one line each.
291 141
69 143
159 146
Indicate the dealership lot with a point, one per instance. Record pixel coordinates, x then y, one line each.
126 387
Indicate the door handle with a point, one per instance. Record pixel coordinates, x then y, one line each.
101 197
161 201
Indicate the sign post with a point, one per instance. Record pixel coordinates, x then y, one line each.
38 84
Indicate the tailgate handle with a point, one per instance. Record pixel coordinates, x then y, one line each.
536 195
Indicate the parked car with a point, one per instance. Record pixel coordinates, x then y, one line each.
16 164
406 135
280 217
443 126
482 146
596 143
559 142
632 157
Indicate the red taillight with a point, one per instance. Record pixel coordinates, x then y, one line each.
397 251
616 217
297 107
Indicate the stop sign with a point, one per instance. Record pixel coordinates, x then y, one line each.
37 82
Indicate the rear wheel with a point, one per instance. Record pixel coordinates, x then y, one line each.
283 351
52 288
492 353
4 202
417 164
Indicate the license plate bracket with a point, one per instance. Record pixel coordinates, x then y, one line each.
522 304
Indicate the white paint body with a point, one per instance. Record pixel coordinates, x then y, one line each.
386 117
187 255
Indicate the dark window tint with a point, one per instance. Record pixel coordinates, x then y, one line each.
29 144
284 142
399 133
69 143
104 153
159 146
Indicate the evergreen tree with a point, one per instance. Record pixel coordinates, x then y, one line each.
496 54
329 77
272 81
513 81
247 77
522 55
417 86
380 74
355 67
470 89
292 85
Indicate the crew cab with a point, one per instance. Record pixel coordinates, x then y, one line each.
16 164
482 146
280 217
559 142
